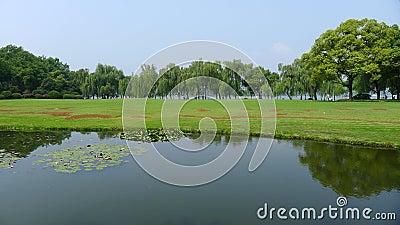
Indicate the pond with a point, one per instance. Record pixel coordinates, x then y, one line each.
90 178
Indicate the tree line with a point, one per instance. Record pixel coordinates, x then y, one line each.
359 55
230 80
23 74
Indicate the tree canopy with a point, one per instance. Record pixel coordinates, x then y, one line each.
245 80
37 76
361 51
359 55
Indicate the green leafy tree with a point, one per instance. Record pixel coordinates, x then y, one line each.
287 83
22 70
338 54
356 51
393 70
122 86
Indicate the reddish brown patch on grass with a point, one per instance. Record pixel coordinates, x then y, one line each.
138 117
202 110
7 111
249 109
56 113
47 113
308 110
381 109
344 109
43 113
83 116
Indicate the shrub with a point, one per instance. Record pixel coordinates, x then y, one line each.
37 91
72 96
68 96
7 94
54 94
75 93
2 96
16 95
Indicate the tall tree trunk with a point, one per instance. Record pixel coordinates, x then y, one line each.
315 93
350 86
378 92
287 93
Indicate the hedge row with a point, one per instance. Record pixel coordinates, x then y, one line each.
51 95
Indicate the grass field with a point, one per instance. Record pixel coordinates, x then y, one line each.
362 123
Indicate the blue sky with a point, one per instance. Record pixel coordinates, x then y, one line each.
125 33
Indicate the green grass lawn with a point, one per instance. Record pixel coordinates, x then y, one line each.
365 123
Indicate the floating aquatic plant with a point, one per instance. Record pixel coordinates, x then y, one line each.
7 159
88 158
152 135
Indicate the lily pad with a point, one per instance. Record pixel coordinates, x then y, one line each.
152 135
88 158
8 159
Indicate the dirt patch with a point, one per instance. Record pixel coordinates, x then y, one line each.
42 113
7 111
202 110
308 110
249 109
138 117
56 113
380 109
344 109
47 113
82 116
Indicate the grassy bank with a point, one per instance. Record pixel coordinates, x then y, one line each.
361 123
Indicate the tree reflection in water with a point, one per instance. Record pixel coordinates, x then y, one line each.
16 145
352 171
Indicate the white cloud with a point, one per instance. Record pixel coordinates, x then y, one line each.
281 48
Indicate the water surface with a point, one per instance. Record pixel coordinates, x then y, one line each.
294 174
